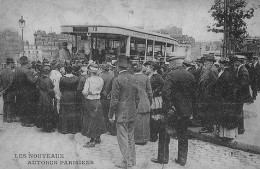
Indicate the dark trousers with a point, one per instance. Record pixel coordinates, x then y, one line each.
8 111
208 118
154 129
241 127
164 140
254 90
8 107
111 127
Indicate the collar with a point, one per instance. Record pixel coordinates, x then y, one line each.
178 67
69 75
240 66
122 71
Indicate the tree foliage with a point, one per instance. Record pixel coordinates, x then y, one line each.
236 27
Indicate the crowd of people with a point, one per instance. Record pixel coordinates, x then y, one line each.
133 101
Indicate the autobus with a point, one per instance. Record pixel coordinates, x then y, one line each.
138 44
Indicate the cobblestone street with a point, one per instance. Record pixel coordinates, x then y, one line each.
15 139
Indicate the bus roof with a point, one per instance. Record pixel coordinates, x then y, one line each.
119 30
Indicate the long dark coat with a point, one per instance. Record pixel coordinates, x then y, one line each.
178 91
257 69
47 116
69 115
27 95
204 91
225 102
6 87
124 98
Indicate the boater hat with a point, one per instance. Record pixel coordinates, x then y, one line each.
93 67
239 58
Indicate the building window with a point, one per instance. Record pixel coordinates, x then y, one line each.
172 48
37 52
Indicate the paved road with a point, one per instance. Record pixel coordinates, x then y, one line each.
29 142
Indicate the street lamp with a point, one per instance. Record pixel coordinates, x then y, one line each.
22 25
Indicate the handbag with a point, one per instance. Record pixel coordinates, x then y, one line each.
156 103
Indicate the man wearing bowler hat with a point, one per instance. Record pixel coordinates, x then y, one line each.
123 105
241 92
255 76
6 89
208 77
64 53
26 93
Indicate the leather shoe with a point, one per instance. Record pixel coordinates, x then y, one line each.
241 131
155 160
179 162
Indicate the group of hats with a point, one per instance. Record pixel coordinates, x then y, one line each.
9 60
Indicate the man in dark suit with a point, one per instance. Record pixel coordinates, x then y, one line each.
178 94
26 94
6 89
124 101
241 92
107 76
208 77
255 80
257 68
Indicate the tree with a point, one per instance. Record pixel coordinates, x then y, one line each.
234 15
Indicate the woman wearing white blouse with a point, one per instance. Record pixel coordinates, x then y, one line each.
93 121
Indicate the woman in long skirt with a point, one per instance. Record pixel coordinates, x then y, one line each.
142 121
69 115
47 116
157 83
227 115
93 121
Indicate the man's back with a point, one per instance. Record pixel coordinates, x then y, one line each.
179 90
124 98
24 80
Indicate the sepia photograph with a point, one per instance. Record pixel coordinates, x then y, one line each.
129 84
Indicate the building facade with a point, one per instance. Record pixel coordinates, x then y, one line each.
10 45
33 53
252 44
50 43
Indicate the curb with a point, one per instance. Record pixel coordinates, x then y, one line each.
231 144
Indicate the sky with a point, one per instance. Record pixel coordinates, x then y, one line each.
190 15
